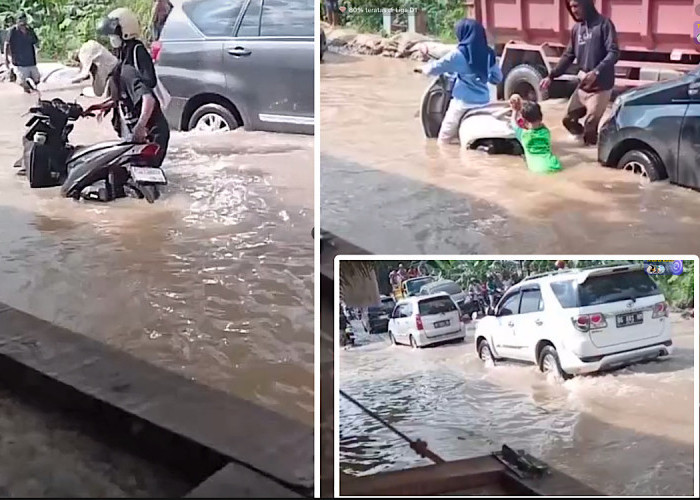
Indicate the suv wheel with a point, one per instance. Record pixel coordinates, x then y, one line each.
213 118
549 363
485 353
413 342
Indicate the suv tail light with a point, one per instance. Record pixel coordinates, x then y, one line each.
419 322
660 310
593 321
156 47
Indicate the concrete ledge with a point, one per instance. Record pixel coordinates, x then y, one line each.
235 481
191 427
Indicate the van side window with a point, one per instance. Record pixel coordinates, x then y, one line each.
531 302
214 17
288 18
510 305
250 25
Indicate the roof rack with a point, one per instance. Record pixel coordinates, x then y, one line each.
578 269
550 273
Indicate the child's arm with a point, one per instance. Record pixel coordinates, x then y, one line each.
515 125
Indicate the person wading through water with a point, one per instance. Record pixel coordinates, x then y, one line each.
20 52
593 45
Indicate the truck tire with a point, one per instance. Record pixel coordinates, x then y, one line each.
643 162
524 80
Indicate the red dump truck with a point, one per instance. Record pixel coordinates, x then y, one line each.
655 37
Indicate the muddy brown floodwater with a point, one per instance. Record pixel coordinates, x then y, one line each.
386 188
214 281
628 432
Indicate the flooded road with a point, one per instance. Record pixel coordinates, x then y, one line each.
387 189
628 432
214 281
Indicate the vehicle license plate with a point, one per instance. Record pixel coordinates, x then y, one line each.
440 324
629 319
150 175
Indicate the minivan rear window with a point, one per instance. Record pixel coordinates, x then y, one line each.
614 287
287 18
214 17
436 305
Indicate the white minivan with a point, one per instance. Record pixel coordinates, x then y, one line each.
426 319
579 321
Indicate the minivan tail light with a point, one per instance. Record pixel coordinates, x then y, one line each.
419 322
660 310
586 322
156 47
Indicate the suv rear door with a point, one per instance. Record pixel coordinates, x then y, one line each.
530 323
503 336
626 300
271 61
439 315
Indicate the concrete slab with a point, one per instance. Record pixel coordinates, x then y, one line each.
180 420
234 481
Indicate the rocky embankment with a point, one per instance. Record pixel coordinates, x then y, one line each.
400 45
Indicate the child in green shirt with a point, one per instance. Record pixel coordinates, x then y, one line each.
534 136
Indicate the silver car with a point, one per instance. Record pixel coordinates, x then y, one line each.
238 63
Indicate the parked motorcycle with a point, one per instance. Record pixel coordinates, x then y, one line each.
486 127
101 172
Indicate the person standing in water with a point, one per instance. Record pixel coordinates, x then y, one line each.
20 51
593 45
476 66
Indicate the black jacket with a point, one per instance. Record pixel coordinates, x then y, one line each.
593 44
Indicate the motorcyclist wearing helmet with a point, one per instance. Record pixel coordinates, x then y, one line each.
123 29
136 113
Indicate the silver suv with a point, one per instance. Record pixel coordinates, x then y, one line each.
233 63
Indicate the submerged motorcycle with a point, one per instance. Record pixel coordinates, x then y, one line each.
101 172
486 127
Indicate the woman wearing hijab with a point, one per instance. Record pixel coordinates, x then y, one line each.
476 66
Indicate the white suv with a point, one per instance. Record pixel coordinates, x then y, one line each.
579 321
427 319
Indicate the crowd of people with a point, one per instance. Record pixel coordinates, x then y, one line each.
401 274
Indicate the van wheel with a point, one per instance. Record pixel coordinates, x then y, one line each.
413 342
485 353
212 118
644 163
525 81
549 363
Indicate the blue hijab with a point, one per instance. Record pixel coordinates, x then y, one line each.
474 47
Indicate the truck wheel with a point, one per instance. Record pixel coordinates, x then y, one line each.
525 81
644 163
549 363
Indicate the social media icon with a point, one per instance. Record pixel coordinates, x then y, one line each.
677 267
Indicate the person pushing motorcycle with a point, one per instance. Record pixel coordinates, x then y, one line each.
136 113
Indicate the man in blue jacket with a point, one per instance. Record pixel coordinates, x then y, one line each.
593 45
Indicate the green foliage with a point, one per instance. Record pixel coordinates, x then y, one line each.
441 14
678 290
64 25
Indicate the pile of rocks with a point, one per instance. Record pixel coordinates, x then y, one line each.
400 45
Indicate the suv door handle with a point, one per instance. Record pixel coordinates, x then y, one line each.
239 51
510 323
538 322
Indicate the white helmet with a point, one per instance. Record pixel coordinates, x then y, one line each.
121 23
